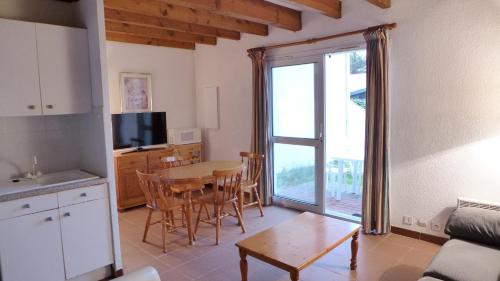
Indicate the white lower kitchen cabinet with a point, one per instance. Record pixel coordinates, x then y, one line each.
31 249
86 236
57 236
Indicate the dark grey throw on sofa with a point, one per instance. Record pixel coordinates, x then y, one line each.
473 253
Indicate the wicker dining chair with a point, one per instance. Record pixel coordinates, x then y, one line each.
176 161
161 199
250 182
229 184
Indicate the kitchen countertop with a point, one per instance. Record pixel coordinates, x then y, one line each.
9 192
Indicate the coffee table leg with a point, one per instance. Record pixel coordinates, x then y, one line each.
243 265
354 251
294 275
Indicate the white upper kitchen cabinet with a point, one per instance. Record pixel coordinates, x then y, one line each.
19 80
63 63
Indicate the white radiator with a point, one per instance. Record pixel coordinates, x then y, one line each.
467 202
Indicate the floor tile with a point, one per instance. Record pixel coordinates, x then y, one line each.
380 258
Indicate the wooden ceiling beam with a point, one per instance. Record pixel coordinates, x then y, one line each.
142 20
111 36
331 8
126 28
384 4
253 10
173 12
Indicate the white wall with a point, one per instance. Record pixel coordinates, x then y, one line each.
445 106
445 97
172 72
51 138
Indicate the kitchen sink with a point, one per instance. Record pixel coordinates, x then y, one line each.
65 177
47 180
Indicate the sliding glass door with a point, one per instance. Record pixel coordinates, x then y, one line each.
296 133
345 103
317 132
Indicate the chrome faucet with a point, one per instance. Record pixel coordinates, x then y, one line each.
35 170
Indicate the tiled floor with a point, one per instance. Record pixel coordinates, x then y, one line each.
388 258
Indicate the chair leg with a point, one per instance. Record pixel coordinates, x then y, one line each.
259 203
190 233
146 228
217 226
198 218
238 214
251 196
206 210
163 229
172 219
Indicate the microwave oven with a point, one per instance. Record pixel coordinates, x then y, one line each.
184 135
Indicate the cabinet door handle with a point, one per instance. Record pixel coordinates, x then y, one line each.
49 219
50 106
68 214
26 206
31 107
83 194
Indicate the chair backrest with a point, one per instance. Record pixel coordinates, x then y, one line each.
229 182
176 161
254 163
154 190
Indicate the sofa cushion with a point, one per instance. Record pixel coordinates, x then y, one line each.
460 260
475 224
428 278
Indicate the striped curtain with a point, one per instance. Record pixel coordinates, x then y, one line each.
260 111
375 217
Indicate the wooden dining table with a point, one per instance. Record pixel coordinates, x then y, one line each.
204 171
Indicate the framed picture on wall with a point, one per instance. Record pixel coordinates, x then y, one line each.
136 94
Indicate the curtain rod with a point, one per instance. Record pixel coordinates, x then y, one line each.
315 40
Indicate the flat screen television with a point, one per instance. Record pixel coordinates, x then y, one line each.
139 130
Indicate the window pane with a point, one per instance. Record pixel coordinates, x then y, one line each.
293 101
294 172
345 100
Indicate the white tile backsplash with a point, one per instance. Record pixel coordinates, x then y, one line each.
55 140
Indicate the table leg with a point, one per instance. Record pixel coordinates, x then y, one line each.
189 221
243 265
354 251
294 275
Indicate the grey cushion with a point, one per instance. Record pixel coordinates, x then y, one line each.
460 260
475 224
427 278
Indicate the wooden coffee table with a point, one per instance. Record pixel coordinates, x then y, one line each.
297 243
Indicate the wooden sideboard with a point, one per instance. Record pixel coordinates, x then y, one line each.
128 192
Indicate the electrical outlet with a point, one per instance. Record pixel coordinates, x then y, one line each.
435 226
421 223
407 220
